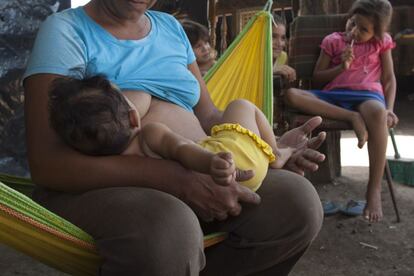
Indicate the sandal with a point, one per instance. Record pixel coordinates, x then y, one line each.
329 208
354 208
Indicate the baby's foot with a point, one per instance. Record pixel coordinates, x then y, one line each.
373 209
360 129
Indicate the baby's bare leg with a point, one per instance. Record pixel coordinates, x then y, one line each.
249 116
375 117
309 103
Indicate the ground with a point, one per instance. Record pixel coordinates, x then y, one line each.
339 249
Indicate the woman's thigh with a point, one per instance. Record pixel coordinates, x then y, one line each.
136 230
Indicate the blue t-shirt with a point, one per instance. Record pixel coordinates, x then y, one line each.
70 43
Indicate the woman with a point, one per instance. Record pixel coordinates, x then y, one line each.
146 221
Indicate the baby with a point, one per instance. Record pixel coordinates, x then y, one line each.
92 116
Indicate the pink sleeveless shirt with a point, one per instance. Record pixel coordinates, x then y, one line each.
365 70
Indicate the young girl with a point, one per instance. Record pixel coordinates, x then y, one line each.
92 116
279 44
200 42
357 68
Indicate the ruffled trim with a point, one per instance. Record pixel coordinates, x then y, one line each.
261 144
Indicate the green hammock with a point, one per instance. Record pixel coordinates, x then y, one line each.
244 71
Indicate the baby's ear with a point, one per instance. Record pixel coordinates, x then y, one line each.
134 120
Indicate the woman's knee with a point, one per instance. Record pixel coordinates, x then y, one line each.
299 201
150 233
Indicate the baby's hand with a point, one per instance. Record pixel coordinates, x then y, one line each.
222 168
347 57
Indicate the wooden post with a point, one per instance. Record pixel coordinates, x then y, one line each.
213 22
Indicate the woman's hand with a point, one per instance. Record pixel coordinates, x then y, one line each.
211 201
306 156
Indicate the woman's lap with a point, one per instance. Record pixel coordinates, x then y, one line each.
170 239
279 229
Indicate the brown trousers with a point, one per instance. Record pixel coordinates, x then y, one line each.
142 231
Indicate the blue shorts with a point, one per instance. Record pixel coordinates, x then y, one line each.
348 99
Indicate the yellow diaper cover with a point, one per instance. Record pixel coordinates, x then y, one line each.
249 151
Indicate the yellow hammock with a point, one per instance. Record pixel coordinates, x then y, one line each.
244 71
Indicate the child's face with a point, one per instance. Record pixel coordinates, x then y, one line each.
359 28
278 39
202 51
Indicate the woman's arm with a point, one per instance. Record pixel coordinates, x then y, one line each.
205 110
389 85
55 165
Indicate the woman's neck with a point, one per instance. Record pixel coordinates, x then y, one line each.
125 26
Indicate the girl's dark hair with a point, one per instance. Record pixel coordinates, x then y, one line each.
379 10
279 19
90 115
195 31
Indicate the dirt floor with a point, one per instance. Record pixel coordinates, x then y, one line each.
339 249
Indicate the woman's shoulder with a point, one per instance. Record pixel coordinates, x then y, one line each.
163 17
64 20
68 15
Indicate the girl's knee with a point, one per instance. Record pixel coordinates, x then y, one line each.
292 95
376 117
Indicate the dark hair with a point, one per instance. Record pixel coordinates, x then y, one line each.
195 31
379 10
90 115
279 19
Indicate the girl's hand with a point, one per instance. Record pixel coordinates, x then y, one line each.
347 57
222 168
392 119
286 71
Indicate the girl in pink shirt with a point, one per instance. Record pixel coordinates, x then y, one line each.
356 70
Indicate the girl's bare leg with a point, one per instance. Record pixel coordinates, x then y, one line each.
309 103
375 117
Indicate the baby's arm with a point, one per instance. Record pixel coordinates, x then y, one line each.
159 139
282 156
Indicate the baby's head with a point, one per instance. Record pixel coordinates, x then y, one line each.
368 19
90 115
199 39
278 35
